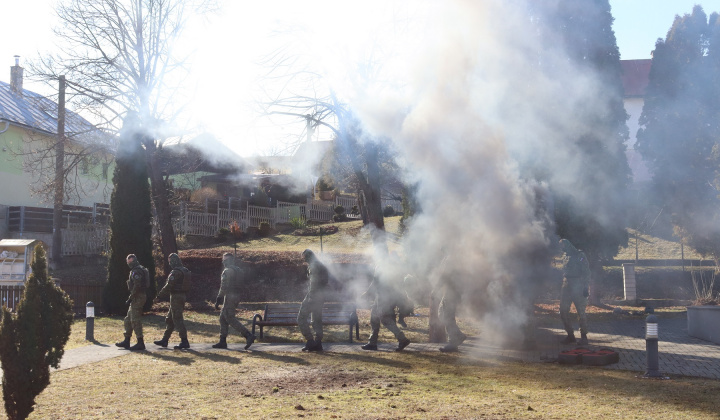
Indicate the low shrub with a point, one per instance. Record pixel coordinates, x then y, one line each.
222 235
264 230
388 211
316 231
298 222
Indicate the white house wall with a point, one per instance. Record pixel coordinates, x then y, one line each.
15 182
634 106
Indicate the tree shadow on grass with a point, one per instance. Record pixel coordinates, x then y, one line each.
182 357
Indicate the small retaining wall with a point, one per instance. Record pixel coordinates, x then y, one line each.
704 322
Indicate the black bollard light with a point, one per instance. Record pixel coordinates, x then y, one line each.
651 347
90 321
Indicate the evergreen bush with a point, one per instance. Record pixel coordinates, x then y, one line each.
33 340
130 224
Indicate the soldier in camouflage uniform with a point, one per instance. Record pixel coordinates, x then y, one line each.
177 286
312 305
231 288
382 311
447 310
576 281
138 283
451 288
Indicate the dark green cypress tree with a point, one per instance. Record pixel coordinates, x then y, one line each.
679 136
34 340
130 221
591 214
590 187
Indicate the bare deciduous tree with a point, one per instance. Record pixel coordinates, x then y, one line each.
119 57
303 95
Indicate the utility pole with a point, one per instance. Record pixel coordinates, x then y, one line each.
59 176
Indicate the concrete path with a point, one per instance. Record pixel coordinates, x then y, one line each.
679 353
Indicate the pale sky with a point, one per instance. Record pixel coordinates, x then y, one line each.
228 47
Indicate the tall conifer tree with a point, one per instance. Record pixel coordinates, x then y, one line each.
592 214
679 136
130 220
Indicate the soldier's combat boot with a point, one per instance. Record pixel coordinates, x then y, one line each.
369 346
140 345
184 344
164 341
317 346
402 344
309 345
569 339
583 339
249 339
449 348
222 344
125 343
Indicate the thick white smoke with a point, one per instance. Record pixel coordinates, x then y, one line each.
473 111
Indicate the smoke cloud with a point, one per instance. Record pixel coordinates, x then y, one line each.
476 119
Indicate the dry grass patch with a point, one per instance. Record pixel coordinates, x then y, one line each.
351 238
231 384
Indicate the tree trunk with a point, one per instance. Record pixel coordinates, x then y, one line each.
161 201
372 201
596 273
59 177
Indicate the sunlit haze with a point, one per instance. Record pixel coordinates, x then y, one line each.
333 36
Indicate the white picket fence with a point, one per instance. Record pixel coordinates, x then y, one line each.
85 239
190 221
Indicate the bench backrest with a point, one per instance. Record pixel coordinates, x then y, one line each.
287 312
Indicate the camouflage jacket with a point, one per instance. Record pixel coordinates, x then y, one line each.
138 280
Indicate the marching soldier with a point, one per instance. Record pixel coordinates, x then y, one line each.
138 283
575 290
383 311
177 286
231 288
312 305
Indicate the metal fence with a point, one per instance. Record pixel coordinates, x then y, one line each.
80 294
85 239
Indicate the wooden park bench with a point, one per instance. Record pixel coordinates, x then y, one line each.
285 314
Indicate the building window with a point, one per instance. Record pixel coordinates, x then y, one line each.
84 167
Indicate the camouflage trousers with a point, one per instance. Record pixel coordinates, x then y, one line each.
174 318
448 307
228 316
383 311
133 320
311 307
572 292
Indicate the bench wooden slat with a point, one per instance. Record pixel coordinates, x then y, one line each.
285 314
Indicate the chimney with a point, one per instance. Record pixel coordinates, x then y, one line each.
16 76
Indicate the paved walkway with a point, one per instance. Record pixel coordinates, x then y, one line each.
679 353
